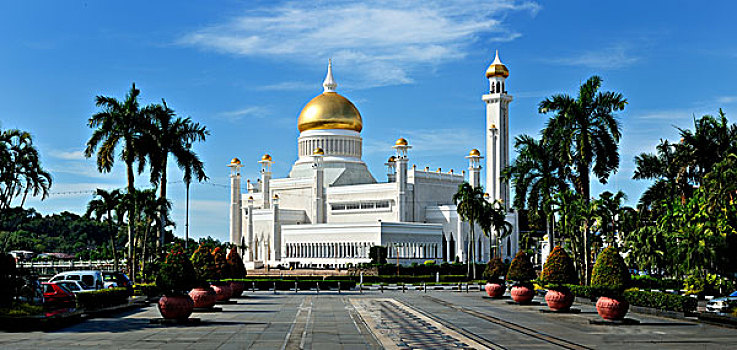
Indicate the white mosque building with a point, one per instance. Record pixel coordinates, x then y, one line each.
330 210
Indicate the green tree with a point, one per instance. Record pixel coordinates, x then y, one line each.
469 205
102 208
585 132
536 174
20 168
494 224
171 135
119 123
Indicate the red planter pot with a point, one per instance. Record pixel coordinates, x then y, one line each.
223 291
612 309
176 307
494 290
204 298
522 294
559 300
237 288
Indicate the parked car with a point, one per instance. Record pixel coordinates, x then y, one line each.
723 304
91 278
120 279
56 295
74 286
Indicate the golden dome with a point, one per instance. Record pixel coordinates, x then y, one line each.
401 142
276 196
235 161
329 110
474 153
392 159
266 157
318 151
497 68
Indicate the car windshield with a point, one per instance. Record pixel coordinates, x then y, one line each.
70 286
734 294
66 287
108 277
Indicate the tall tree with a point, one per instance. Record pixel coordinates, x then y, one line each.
494 224
668 168
173 136
119 123
585 132
536 174
102 208
469 205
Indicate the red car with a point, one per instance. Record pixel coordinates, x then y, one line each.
57 296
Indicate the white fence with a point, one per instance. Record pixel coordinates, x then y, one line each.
52 267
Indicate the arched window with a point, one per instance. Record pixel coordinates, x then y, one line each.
498 87
509 247
503 89
493 88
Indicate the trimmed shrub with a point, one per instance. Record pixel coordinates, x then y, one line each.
203 263
102 298
521 269
221 263
558 268
495 270
176 275
650 282
20 310
235 265
610 273
662 301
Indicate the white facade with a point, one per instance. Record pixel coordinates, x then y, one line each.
331 210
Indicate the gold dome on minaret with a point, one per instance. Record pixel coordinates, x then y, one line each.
497 68
329 110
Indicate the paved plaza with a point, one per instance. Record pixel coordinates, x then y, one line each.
392 320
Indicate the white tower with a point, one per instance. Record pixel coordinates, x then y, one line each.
474 168
497 131
235 201
401 178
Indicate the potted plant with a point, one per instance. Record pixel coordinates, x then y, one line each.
557 272
176 276
610 278
237 271
493 273
204 266
222 289
521 273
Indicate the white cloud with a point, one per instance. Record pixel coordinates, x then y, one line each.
612 57
247 112
289 86
374 43
67 155
432 141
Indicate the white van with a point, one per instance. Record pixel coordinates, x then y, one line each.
92 278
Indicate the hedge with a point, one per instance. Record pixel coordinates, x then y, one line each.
287 284
656 300
649 282
102 298
146 289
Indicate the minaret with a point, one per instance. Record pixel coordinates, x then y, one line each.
391 169
329 83
318 201
265 178
235 201
497 131
401 177
474 168
249 232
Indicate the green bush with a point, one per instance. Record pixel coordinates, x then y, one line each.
610 273
581 291
650 282
20 310
176 275
221 263
236 269
203 263
521 269
558 268
148 290
494 270
662 301
102 298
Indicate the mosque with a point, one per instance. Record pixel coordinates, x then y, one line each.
330 210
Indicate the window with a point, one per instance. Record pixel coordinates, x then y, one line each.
48 288
73 277
88 280
360 206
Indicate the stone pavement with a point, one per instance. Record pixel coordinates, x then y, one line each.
393 320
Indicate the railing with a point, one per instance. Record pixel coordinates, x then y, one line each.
53 267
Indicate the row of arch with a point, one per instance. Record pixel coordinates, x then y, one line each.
497 88
331 146
328 250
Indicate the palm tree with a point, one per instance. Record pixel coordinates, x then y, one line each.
493 222
119 122
20 171
103 206
469 204
586 132
175 137
668 167
535 175
611 211
712 140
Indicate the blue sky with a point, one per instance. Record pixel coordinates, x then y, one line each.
414 69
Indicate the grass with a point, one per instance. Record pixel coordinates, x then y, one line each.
20 310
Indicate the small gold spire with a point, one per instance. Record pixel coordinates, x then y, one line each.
318 151
266 157
401 142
